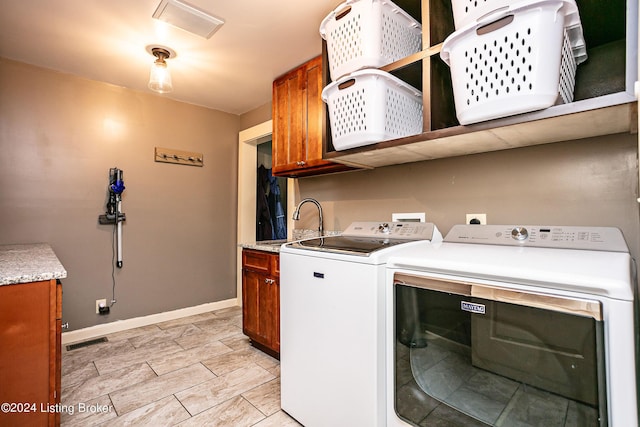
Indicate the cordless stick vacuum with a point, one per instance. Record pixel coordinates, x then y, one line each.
114 214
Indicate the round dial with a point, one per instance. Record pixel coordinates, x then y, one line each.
384 228
519 233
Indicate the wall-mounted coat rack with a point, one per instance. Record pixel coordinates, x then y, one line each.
168 155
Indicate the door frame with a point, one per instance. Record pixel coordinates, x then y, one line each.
247 175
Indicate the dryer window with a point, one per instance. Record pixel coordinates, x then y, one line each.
482 361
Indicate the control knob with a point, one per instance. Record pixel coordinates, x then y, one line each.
520 233
384 228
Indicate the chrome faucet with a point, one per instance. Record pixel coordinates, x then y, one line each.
296 213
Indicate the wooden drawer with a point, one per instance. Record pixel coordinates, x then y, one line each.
256 261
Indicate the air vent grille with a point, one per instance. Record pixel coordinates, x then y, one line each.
188 17
86 343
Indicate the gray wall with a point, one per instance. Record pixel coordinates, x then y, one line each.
60 134
256 116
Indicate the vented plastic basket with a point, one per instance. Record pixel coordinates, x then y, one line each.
519 59
368 34
466 12
369 106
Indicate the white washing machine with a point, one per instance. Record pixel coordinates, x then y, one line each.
513 326
332 325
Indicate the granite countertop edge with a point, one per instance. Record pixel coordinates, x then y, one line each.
265 247
25 263
274 245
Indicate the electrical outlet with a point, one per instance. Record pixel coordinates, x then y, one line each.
100 302
475 217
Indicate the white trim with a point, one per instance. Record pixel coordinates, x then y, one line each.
136 322
257 131
247 175
247 156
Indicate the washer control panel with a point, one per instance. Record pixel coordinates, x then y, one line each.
394 230
565 237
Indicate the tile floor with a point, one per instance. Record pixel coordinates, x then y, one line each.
428 376
193 371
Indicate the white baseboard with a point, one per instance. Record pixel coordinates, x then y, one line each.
136 322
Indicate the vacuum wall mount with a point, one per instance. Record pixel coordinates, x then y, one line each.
114 214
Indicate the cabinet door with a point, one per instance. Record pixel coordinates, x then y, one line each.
260 309
54 418
251 284
312 75
298 123
275 319
289 113
268 308
25 340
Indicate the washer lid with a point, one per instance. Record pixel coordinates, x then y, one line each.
365 237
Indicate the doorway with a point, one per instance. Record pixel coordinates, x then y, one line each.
271 198
249 139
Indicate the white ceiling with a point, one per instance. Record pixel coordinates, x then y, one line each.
106 40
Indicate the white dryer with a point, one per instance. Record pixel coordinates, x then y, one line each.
504 326
332 324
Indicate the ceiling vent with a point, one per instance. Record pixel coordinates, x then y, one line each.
188 18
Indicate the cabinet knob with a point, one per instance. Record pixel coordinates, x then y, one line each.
65 325
301 163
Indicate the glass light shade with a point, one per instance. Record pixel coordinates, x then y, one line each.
159 77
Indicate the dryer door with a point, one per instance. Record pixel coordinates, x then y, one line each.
498 357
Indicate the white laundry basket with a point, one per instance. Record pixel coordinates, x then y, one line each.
466 12
369 106
368 34
518 59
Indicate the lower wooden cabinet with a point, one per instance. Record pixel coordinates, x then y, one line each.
30 353
261 299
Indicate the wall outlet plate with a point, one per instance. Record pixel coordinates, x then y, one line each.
476 216
99 302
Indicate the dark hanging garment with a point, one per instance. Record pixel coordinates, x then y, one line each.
264 227
275 206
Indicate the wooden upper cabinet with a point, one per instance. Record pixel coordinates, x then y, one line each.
299 121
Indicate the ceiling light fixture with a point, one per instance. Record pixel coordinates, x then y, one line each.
159 77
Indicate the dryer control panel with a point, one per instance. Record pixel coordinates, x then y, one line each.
565 237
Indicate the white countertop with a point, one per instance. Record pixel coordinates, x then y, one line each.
29 263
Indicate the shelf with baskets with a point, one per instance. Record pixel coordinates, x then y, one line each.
603 99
